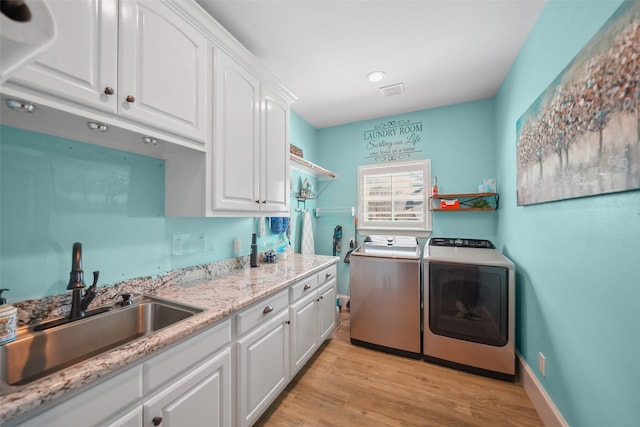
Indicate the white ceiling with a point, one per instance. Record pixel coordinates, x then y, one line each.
444 51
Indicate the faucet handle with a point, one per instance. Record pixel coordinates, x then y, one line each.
126 299
96 274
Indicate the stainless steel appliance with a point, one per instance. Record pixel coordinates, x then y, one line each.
469 307
385 295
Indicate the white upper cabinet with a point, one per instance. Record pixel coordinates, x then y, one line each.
81 64
250 147
275 152
169 82
135 58
235 148
162 69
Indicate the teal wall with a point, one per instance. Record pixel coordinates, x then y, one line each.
56 191
458 139
578 260
305 137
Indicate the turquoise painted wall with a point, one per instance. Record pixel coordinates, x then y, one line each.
56 191
458 139
578 260
304 136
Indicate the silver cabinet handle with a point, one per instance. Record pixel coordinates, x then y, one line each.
267 309
307 287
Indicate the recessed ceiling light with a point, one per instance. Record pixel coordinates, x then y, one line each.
22 106
149 140
97 127
375 76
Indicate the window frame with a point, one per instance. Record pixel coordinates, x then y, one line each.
396 227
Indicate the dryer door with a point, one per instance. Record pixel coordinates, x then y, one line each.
469 302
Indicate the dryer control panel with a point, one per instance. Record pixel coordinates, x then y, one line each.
461 243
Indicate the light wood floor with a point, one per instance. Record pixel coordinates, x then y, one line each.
347 385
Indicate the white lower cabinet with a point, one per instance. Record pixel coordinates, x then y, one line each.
226 375
313 316
131 419
200 398
96 406
263 367
304 331
327 310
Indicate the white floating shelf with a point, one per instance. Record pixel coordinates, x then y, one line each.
310 168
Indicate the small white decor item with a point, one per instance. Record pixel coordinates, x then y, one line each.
306 191
490 185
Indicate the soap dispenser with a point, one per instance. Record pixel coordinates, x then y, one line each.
8 320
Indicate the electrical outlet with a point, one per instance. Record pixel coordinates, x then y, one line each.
542 364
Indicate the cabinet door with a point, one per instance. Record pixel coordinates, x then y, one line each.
263 367
200 398
275 153
304 331
236 113
82 62
327 310
162 69
131 419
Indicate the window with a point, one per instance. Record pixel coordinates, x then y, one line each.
392 198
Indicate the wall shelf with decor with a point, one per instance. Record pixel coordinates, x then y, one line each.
465 202
311 168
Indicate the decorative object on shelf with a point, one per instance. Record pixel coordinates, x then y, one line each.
306 190
581 136
295 150
434 189
480 204
449 204
489 185
486 201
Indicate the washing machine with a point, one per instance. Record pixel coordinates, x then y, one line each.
385 295
469 307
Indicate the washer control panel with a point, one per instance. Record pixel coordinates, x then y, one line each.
461 243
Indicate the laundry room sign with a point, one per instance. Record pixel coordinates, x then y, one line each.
393 140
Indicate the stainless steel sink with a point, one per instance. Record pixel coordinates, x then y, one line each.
37 354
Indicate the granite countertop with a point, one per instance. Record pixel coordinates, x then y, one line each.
220 297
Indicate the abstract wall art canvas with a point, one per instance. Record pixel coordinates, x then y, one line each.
581 137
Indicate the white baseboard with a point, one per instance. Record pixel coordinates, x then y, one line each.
547 410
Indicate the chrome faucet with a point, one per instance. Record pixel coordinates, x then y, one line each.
79 303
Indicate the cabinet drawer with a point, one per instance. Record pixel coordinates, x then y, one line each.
113 395
262 311
306 286
172 362
327 274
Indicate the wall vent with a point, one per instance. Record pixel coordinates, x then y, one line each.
392 90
